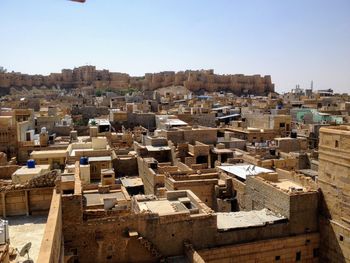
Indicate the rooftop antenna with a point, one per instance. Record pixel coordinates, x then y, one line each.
312 85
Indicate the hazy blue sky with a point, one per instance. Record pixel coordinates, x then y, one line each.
295 41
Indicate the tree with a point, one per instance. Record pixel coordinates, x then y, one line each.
2 70
98 93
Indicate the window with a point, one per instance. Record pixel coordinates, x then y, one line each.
98 235
68 192
315 252
336 143
341 238
298 256
277 258
282 125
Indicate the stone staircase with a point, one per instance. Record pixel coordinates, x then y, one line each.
151 248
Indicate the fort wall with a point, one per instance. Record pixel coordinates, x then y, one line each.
196 81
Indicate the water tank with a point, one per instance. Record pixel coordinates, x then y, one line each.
84 161
43 129
31 163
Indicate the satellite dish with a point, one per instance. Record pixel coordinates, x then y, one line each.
25 251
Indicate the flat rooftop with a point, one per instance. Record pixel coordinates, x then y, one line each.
24 229
222 151
245 219
157 148
175 122
131 181
162 207
309 172
287 184
75 151
100 159
95 198
176 202
228 116
24 170
49 154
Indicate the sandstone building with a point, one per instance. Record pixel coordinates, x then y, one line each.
197 81
334 182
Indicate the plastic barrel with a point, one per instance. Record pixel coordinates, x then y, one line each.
31 163
83 160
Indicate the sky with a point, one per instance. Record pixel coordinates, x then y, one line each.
294 41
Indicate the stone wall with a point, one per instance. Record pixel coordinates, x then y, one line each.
50 249
125 166
25 201
240 193
89 112
146 120
298 178
300 208
271 250
197 81
204 135
105 237
150 179
199 119
334 183
203 186
101 240
7 170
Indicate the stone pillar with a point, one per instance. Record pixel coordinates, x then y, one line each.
27 201
3 204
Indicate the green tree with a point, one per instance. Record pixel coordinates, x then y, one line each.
2 69
98 93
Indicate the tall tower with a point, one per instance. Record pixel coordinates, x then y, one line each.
334 183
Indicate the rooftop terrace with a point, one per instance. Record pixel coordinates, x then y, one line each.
244 219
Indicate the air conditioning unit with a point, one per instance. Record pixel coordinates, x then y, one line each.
4 232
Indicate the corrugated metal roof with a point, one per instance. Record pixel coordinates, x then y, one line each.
243 171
